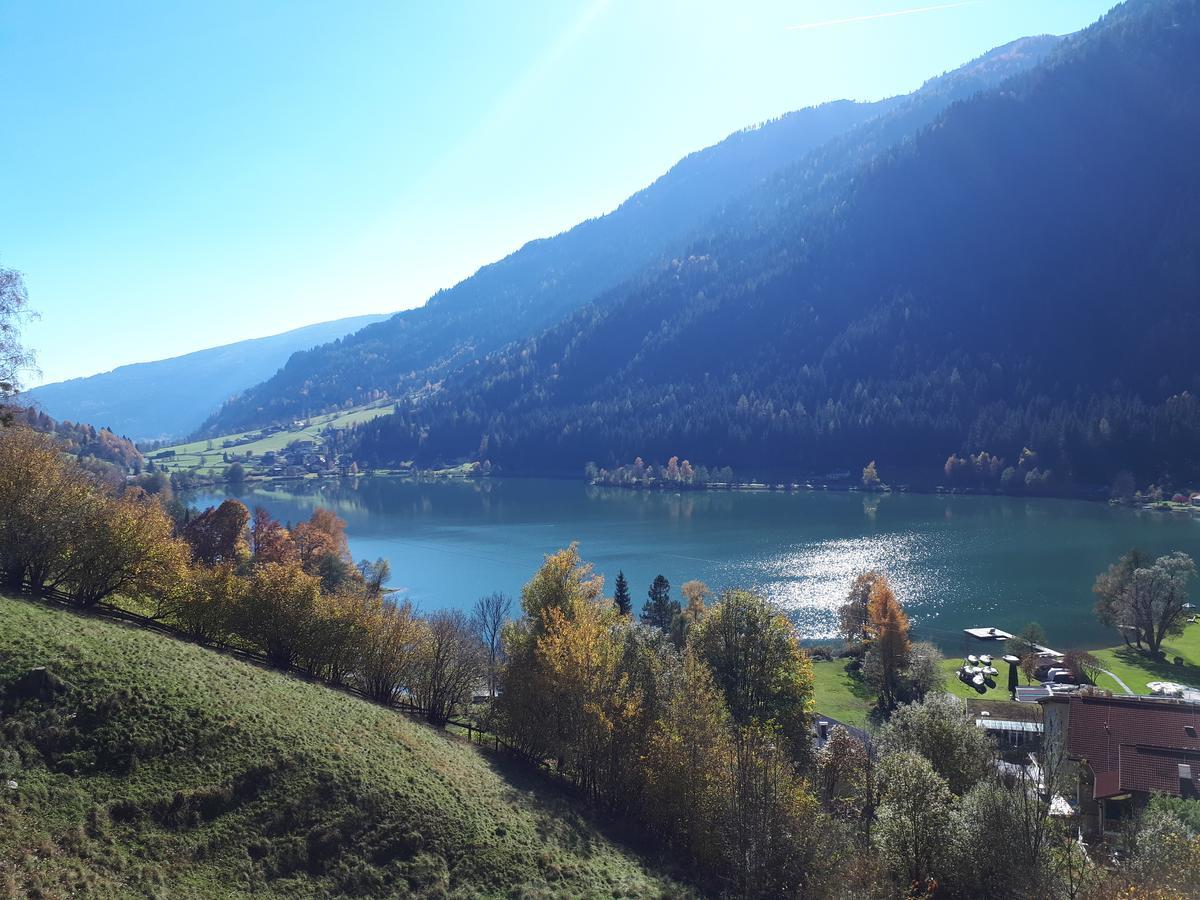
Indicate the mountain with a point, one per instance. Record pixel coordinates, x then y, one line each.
145 766
548 279
171 397
1015 286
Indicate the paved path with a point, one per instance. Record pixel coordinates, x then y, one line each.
1123 685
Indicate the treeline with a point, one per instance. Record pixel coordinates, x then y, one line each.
90 444
222 576
675 473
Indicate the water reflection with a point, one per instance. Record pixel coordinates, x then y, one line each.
955 561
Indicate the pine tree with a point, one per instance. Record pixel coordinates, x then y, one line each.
660 610
621 599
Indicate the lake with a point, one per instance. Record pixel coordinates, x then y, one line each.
955 561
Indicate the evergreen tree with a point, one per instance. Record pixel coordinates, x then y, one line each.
621 598
660 610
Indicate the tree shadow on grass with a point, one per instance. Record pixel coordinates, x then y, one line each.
1161 669
564 816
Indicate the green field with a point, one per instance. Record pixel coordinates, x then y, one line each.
1136 668
166 770
844 698
839 695
205 457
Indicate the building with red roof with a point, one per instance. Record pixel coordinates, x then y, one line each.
1119 751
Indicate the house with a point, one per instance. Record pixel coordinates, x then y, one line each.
1118 751
1195 499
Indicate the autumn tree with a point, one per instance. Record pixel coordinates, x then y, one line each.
46 504
206 608
324 550
563 584
338 634
684 759
845 777
450 664
487 618
696 593
587 693
888 654
870 477
14 312
852 615
1083 665
126 548
775 839
621 599
1112 589
1157 598
924 673
218 535
660 610
278 611
374 575
270 541
394 637
751 648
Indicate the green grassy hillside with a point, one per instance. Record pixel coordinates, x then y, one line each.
205 457
145 766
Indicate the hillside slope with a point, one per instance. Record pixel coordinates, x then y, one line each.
1022 274
171 397
159 768
548 279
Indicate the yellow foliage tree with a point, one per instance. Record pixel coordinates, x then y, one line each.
887 628
278 611
45 505
127 548
587 696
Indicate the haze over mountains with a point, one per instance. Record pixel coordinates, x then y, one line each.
998 269
546 280
169 397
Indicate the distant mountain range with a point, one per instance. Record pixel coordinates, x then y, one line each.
169 398
546 280
991 282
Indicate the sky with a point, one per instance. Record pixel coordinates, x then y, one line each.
177 176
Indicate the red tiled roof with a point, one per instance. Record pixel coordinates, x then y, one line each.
1134 745
1153 770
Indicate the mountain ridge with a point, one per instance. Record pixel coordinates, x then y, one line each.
550 277
927 304
187 387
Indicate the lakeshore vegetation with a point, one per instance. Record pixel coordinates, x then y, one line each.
685 725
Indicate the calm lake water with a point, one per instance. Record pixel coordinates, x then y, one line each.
955 561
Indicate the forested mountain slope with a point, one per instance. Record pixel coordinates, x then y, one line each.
171 397
1022 276
145 766
548 279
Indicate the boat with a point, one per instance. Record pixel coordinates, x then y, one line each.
977 680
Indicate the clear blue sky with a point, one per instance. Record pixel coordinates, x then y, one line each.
179 175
